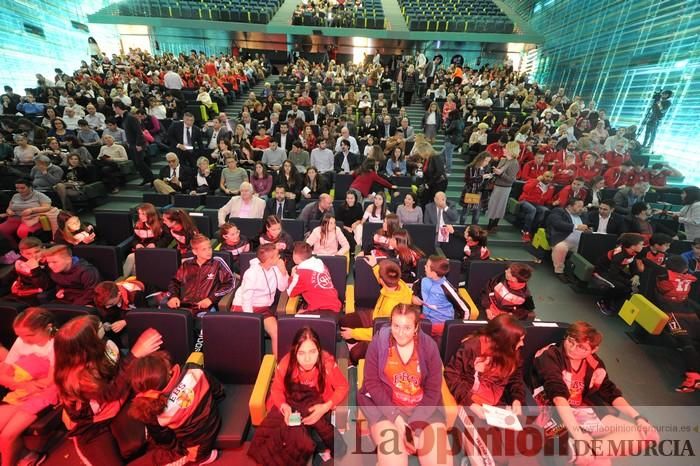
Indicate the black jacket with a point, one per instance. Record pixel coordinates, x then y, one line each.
288 143
186 178
132 128
353 161
289 208
193 283
77 283
176 136
616 224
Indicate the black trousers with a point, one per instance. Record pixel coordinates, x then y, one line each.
138 156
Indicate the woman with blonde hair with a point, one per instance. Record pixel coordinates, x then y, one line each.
504 174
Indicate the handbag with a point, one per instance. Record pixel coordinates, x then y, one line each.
472 198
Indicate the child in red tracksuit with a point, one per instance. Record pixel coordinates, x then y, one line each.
475 247
312 281
619 268
672 290
508 293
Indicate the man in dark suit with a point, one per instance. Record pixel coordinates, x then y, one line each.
136 143
215 133
250 125
283 138
605 220
174 178
273 126
345 161
440 214
315 116
281 206
185 139
387 129
564 229
366 129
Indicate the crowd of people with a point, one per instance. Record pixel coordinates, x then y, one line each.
327 13
281 158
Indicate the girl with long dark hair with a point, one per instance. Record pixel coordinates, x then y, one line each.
274 234
307 385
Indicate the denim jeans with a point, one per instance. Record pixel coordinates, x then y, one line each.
476 213
533 215
447 154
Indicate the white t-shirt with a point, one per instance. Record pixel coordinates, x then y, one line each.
20 349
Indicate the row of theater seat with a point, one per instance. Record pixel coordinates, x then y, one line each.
228 336
242 11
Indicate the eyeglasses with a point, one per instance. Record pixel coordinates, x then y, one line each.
580 346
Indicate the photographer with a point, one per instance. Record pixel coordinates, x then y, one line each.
655 114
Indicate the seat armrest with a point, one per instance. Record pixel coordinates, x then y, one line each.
451 407
341 411
360 379
196 357
292 305
473 309
256 404
124 247
349 299
282 303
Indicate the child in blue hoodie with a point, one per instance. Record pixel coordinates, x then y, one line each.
441 302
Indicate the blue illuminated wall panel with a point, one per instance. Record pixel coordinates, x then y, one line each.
617 53
38 36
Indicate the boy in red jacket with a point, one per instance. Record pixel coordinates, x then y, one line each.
672 290
534 168
536 195
312 281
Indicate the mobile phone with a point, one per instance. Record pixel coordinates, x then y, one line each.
294 419
409 435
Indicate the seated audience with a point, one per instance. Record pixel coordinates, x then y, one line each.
232 241
538 193
401 351
200 282
327 239
206 178
245 205
174 178
266 275
181 228
605 219
441 302
72 231
440 214
74 278
261 180
23 212
316 210
232 177
507 293
619 268
573 380
564 228
309 384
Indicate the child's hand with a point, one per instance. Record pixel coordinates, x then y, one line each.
118 326
346 333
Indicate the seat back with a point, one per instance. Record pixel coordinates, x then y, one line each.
226 256
423 237
233 346
454 248
202 222
244 261
342 184
479 275
155 267
679 247
453 275
187 201
114 227
104 258
8 312
593 247
288 326
366 286
294 227
454 332
62 313
539 335
158 200
175 325
250 227
338 268
216 202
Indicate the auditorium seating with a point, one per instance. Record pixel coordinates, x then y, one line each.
176 326
369 16
455 16
237 11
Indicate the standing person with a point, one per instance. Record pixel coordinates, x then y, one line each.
177 431
487 370
431 120
401 389
689 215
200 282
266 275
475 178
27 371
93 385
432 170
656 113
573 381
308 382
505 174
136 143
454 129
